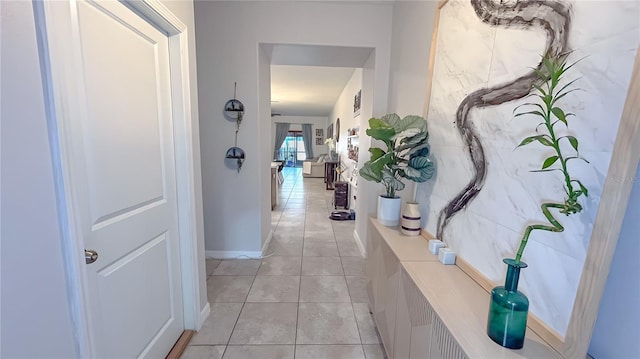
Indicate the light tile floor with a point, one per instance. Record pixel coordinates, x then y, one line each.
306 300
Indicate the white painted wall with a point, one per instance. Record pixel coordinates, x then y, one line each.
229 35
410 45
296 122
343 109
617 329
36 320
410 48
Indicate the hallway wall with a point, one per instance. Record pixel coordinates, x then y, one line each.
236 205
36 318
413 23
617 329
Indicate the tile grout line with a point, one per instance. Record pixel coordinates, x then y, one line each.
304 225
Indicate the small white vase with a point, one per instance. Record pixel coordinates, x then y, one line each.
410 224
389 211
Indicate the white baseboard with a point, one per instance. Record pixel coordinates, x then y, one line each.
359 243
204 314
233 254
267 242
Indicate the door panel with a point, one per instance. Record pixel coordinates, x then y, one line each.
121 173
122 140
125 276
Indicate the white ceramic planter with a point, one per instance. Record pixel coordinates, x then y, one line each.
410 224
389 211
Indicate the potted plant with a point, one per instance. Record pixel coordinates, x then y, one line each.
509 308
331 143
406 157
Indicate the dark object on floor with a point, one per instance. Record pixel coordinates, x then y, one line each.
340 216
341 195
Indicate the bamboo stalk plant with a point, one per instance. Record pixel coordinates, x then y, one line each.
551 89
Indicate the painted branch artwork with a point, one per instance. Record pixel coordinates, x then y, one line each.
484 194
554 18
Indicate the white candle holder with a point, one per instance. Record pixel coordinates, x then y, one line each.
447 256
435 245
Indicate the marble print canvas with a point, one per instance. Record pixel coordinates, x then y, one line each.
484 195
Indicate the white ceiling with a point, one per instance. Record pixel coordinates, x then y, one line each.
306 80
306 90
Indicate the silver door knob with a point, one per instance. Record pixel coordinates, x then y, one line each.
90 256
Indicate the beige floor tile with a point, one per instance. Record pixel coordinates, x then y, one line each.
259 351
295 205
324 289
293 216
266 323
374 351
357 289
238 267
278 248
293 229
275 288
313 225
288 236
321 266
320 249
349 249
203 352
343 229
211 265
353 266
366 326
329 351
346 238
319 236
280 265
326 323
218 327
230 289
301 211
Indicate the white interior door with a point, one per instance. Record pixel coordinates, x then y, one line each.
118 139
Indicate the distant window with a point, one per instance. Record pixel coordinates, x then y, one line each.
292 150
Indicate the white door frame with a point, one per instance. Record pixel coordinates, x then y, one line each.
58 92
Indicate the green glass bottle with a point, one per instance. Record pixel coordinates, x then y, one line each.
508 310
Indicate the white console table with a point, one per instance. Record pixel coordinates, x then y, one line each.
424 309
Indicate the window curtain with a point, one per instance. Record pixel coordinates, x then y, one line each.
307 137
282 129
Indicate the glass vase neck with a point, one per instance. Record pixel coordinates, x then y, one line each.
513 274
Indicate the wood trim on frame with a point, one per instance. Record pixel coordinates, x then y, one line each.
432 60
606 228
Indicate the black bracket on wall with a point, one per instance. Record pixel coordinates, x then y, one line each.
233 111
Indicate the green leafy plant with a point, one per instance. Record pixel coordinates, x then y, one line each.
550 89
406 154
